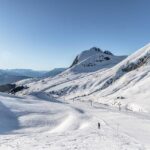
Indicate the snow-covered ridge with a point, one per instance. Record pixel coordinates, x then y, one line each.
93 60
141 58
88 64
86 54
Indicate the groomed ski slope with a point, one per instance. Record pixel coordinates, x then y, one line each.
41 122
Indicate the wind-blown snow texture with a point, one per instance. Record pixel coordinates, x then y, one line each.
63 112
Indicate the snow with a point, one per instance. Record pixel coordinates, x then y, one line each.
62 112
94 59
126 79
135 107
39 123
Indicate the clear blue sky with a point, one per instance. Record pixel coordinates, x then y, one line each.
44 34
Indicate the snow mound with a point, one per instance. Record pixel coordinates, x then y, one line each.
37 113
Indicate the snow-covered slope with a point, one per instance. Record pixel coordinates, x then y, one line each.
41 122
80 71
124 83
130 79
50 114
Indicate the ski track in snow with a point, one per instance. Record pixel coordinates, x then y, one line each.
36 123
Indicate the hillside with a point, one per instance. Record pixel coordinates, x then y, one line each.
67 108
123 83
80 71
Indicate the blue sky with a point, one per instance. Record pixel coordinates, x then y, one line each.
44 34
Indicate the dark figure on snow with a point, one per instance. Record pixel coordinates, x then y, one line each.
99 125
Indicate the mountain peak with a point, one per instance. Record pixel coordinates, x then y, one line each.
96 49
94 59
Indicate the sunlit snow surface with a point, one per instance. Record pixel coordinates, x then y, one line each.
126 83
56 113
45 123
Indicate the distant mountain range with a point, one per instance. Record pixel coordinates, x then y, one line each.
13 75
54 72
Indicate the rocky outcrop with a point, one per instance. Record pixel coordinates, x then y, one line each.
134 65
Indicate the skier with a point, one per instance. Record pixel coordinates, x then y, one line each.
99 125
